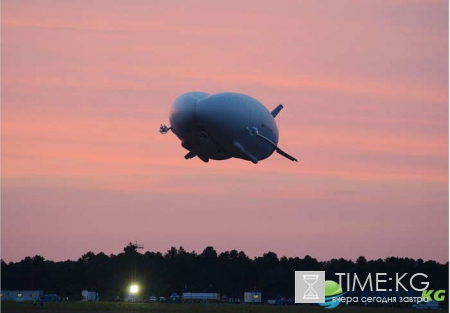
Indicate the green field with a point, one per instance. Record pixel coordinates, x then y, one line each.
79 307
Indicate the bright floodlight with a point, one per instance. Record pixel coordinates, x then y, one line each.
134 289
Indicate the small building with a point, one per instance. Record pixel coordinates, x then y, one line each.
252 297
20 295
200 297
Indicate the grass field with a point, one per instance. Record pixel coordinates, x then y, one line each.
80 307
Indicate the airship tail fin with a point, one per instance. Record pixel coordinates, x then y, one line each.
203 158
276 148
276 110
251 157
290 157
190 155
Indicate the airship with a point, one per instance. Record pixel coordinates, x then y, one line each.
223 126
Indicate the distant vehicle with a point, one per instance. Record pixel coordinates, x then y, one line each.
115 299
430 305
162 299
90 296
271 302
200 297
290 302
152 299
223 126
51 298
252 297
174 298
132 298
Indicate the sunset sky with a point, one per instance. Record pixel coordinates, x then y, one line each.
86 84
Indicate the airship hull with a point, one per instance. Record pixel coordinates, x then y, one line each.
224 125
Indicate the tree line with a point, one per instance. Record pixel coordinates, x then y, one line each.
229 273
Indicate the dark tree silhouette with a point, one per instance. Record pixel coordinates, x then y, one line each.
230 273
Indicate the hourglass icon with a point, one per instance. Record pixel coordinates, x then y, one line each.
310 293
